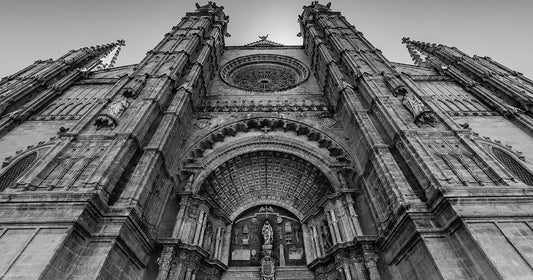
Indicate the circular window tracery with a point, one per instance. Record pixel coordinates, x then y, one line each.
264 72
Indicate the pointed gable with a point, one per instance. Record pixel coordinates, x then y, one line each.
263 42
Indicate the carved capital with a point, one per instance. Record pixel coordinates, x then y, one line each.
166 258
370 260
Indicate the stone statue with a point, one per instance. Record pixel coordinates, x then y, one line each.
267 233
326 236
208 239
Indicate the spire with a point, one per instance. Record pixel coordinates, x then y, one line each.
416 55
109 58
212 9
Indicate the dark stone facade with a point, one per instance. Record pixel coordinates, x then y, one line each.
367 169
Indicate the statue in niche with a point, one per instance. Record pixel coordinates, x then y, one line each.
268 234
208 237
326 236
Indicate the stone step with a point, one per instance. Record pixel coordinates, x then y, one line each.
282 273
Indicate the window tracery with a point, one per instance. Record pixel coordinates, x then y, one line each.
513 166
16 170
264 73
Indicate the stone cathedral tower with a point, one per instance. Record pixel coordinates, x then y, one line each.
265 161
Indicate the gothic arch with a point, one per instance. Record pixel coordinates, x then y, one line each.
512 161
512 165
18 168
18 165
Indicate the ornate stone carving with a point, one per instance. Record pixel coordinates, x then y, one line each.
134 87
327 119
111 115
274 124
326 235
266 105
165 260
268 270
268 234
264 72
421 113
201 124
208 238
252 178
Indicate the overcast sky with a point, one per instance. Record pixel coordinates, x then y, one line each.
38 29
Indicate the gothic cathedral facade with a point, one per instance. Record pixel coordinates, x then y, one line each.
265 161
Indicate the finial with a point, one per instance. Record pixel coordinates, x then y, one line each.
263 38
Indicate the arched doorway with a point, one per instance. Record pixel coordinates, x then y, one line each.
253 188
222 214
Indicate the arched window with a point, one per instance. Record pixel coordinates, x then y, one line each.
16 170
513 166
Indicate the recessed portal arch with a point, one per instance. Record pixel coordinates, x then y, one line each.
266 177
273 143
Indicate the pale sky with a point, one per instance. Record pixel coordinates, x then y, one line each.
38 29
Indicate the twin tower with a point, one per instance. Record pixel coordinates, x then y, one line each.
265 161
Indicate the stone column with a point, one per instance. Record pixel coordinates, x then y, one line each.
353 216
217 243
225 245
202 231
347 273
281 255
180 217
176 272
198 228
331 229
165 262
309 246
221 243
371 265
188 273
341 272
347 227
317 243
359 268
335 226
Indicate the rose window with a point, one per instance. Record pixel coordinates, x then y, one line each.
264 72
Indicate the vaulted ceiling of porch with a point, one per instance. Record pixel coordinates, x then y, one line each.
266 177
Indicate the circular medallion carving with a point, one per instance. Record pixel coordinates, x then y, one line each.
264 72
